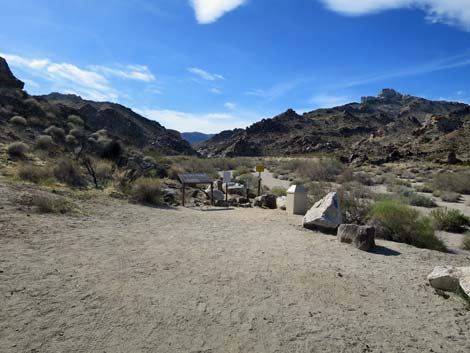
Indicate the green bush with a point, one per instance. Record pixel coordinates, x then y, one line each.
44 142
425 188
56 132
420 201
279 191
71 140
451 220
67 171
17 150
401 223
455 182
75 120
466 242
32 173
18 121
147 191
449 196
241 170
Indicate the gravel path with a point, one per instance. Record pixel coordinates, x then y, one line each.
127 278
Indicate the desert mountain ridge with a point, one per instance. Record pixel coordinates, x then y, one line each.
389 126
120 122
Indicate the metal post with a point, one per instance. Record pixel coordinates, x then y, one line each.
259 184
184 190
226 192
212 194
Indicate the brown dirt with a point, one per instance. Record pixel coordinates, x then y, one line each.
126 278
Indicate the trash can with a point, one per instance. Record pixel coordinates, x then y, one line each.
297 200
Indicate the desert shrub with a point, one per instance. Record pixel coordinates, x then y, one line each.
147 191
249 180
44 142
67 171
450 196
56 132
32 173
110 149
77 133
355 202
51 204
398 222
466 242
71 140
35 121
451 220
17 150
320 170
455 182
19 121
425 188
240 170
420 201
279 191
75 120
104 172
400 190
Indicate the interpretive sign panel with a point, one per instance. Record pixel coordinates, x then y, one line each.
195 178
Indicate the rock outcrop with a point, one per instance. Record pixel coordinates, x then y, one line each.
7 80
325 215
450 278
362 237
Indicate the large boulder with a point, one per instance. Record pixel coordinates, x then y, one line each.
266 201
235 189
362 237
325 215
464 284
218 195
445 278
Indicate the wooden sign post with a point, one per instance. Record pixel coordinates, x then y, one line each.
259 169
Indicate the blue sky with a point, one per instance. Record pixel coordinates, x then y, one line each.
210 65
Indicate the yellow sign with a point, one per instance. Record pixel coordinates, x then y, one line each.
260 168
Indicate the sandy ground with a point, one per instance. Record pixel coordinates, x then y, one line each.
127 278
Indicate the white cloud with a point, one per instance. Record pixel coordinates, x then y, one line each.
230 105
208 11
90 83
130 72
452 12
216 90
204 74
329 101
202 122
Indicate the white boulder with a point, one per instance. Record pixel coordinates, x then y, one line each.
325 215
445 277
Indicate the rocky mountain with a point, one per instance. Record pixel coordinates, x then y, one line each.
120 123
196 137
389 126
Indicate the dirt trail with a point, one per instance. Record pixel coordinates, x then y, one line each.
128 278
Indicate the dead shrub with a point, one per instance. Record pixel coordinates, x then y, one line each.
147 191
51 204
67 171
33 173
17 150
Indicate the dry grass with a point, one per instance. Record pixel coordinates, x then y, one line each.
147 191
67 171
32 173
51 204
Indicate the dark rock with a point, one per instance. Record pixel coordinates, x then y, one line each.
7 79
452 158
266 201
362 237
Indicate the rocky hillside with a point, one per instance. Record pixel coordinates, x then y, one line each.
42 112
196 137
389 126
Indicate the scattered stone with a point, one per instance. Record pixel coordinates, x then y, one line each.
266 201
218 195
281 202
445 278
464 283
362 237
325 215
